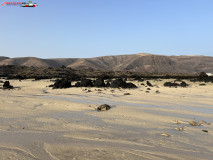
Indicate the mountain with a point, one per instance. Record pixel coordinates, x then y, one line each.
142 62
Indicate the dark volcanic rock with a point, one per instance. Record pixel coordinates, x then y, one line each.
103 107
202 84
7 85
184 84
118 83
203 75
121 83
149 84
130 85
99 83
78 84
86 83
61 83
170 84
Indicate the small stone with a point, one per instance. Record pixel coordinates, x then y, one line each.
157 91
165 134
126 93
205 130
193 123
103 107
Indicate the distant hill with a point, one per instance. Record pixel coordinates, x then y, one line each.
147 63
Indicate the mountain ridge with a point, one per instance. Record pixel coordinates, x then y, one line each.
141 62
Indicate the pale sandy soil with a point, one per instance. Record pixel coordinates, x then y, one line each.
37 122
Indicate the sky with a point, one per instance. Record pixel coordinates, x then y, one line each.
92 28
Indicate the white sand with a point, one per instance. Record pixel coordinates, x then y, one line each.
37 122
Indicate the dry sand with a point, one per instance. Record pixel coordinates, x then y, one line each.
37 122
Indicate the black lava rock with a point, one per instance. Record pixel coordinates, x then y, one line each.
121 83
183 84
99 83
86 83
7 85
62 83
170 84
149 84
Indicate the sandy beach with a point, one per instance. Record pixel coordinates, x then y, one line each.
38 122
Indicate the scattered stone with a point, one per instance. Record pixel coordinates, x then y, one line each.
103 107
157 91
205 130
148 89
204 122
193 123
126 93
180 129
178 122
89 90
202 84
7 85
142 84
165 134
149 84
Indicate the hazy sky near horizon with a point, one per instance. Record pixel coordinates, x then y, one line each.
91 28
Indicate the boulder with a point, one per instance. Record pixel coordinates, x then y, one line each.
99 82
7 85
86 83
149 84
183 84
103 107
170 84
62 83
120 83
203 75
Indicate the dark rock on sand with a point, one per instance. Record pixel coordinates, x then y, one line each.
7 85
149 84
103 107
170 84
202 84
61 83
205 130
99 82
157 91
86 83
183 84
203 75
121 83
126 93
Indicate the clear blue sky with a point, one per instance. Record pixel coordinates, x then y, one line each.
90 28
